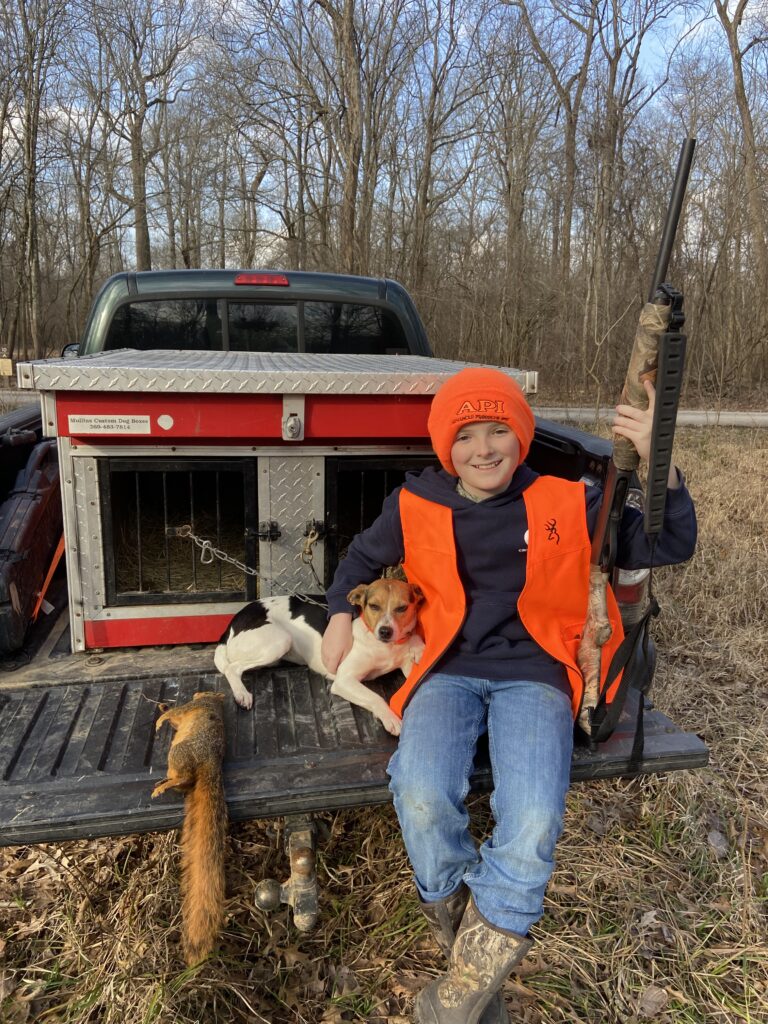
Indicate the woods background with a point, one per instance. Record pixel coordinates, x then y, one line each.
509 162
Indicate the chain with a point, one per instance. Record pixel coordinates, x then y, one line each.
208 553
307 554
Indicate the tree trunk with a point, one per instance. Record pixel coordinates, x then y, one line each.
350 140
139 182
32 284
222 243
753 180
349 62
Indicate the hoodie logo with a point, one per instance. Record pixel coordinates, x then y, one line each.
490 406
551 527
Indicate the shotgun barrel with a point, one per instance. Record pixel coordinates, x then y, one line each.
673 215
654 333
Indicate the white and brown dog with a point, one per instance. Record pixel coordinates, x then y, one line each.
383 639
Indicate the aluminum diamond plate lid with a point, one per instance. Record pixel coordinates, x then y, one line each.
248 373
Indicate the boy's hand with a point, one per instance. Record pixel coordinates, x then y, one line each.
637 426
337 641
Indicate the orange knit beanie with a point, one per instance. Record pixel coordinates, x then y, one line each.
477 395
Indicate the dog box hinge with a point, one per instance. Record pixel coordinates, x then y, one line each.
293 417
268 530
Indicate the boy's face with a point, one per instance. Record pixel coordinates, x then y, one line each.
485 455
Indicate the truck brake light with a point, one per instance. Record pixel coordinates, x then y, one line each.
631 585
279 280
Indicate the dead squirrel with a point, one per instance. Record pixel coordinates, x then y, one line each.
194 767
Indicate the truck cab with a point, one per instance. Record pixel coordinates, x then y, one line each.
254 311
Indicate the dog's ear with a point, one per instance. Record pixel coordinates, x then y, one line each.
357 596
416 593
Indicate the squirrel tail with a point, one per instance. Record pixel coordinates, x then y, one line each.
203 841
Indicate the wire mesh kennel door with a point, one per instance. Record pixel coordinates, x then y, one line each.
147 505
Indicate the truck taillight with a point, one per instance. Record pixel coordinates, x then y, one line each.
631 585
276 280
631 589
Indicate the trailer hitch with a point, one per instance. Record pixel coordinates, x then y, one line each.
299 891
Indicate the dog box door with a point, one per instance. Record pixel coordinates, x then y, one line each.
291 491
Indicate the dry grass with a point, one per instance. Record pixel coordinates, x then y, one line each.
172 564
657 910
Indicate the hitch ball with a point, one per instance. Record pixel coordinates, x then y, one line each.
267 895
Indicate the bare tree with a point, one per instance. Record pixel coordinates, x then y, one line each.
446 84
275 98
738 50
11 172
371 54
349 121
520 111
562 34
621 92
509 162
149 48
91 158
33 33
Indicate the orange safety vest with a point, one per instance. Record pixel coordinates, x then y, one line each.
553 603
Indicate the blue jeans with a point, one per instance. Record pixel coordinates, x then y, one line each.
530 739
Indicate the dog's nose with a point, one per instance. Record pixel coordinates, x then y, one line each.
385 633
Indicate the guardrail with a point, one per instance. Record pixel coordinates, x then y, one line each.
685 417
562 414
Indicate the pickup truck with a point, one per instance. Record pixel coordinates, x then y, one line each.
221 435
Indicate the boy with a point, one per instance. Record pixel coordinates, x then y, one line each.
484 538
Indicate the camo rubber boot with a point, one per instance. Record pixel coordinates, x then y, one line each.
444 918
481 958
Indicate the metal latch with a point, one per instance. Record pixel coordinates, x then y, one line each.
268 530
293 417
316 527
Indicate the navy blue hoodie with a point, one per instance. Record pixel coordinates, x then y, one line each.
490 538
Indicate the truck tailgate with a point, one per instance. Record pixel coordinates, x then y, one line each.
79 755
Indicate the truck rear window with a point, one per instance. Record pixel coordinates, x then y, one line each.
172 323
351 329
258 327
244 326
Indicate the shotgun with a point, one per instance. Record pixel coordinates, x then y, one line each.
658 355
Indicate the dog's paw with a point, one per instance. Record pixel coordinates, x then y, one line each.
391 722
416 651
243 698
